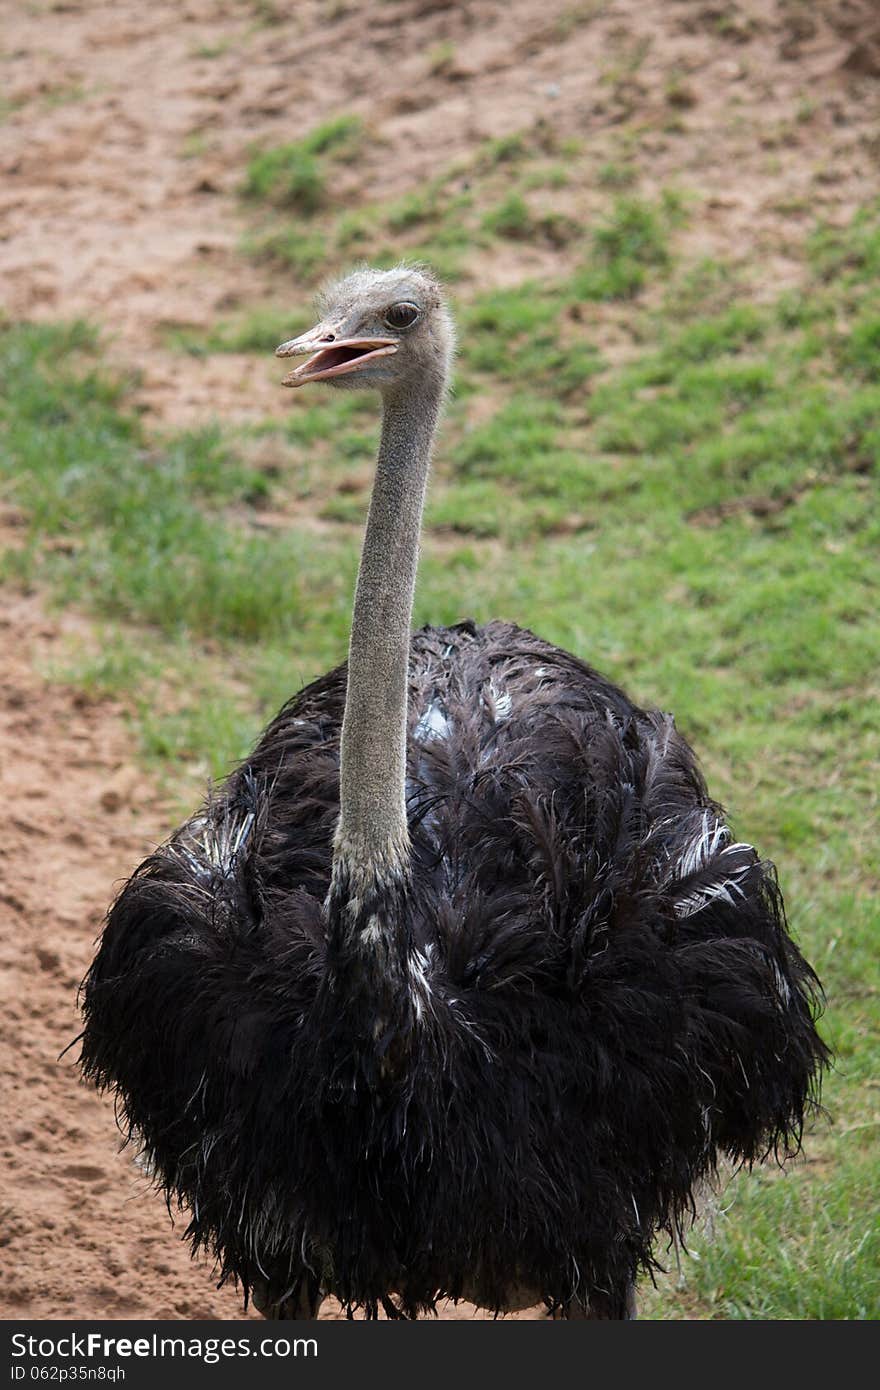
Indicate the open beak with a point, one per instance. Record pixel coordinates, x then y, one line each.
331 356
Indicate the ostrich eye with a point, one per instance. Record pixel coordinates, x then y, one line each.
401 315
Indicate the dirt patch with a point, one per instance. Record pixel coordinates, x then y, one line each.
81 1234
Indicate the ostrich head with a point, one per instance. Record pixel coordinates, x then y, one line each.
379 329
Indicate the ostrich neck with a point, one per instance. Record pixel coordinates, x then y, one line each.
371 849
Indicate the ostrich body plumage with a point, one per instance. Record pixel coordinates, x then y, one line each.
591 993
460 984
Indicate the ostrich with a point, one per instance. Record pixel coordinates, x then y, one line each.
460 985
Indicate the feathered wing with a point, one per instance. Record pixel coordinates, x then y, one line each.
601 995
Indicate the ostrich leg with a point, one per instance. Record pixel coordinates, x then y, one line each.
303 1306
602 1307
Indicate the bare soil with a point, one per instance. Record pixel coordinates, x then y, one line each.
124 131
79 1236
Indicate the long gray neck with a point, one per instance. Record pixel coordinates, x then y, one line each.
371 849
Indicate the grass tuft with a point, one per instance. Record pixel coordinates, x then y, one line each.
624 248
294 175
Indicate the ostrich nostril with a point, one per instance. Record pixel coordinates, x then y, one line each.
329 338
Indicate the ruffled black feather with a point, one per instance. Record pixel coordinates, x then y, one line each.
593 994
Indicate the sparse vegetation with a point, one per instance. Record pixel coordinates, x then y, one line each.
441 57
62 94
630 243
214 48
511 218
290 246
574 16
195 145
851 252
613 175
288 176
293 175
508 149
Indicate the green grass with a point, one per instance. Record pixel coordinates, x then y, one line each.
618 176
505 189
511 218
288 176
294 175
850 253
626 248
699 520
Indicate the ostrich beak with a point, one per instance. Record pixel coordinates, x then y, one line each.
331 355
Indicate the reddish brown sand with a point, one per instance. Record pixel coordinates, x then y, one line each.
81 1237
126 128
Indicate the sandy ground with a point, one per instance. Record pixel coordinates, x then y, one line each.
123 131
79 1236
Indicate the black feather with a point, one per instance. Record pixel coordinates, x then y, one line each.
584 995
